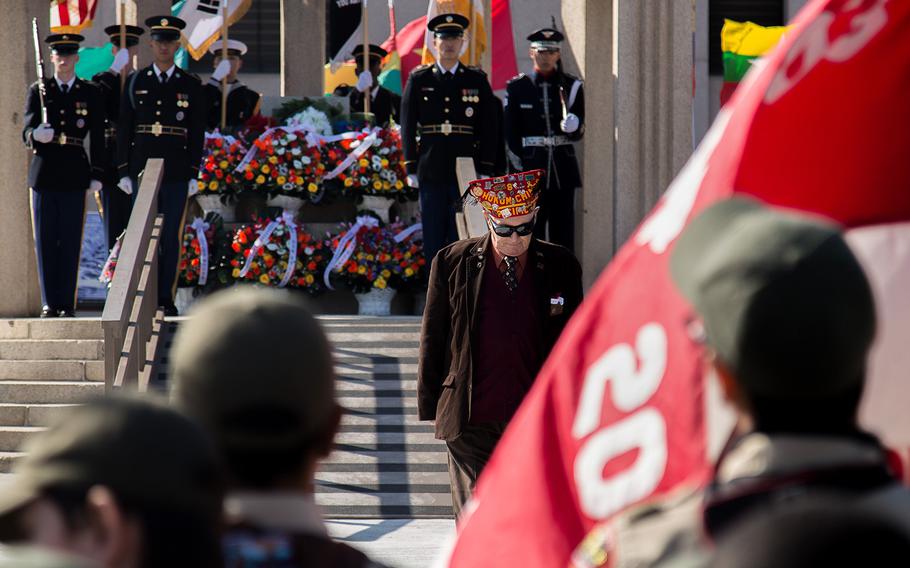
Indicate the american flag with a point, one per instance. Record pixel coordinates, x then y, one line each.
72 16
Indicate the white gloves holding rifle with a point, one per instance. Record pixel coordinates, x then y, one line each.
412 181
570 123
221 70
43 133
192 188
120 60
364 81
126 185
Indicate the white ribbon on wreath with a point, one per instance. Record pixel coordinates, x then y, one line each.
365 145
265 234
200 226
312 139
346 246
405 233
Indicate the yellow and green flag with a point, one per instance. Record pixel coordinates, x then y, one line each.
741 43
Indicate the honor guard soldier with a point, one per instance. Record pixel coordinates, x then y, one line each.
384 104
544 115
60 171
116 203
449 106
162 115
242 101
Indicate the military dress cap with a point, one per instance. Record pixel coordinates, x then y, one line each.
546 39
375 51
165 28
507 196
64 44
448 25
132 34
143 451
783 301
254 367
234 47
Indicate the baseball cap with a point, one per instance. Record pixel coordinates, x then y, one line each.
784 302
143 451
254 367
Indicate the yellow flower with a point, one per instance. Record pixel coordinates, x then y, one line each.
264 278
386 185
200 185
312 188
235 273
408 272
281 180
385 163
370 257
213 185
266 169
298 265
299 180
386 273
348 182
260 179
380 283
223 164
273 160
309 278
283 265
266 257
377 185
361 269
398 184
363 163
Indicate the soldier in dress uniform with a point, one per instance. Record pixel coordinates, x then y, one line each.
116 204
450 107
162 115
242 102
384 104
544 115
60 171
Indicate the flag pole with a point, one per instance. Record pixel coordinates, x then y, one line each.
123 71
224 57
364 21
471 32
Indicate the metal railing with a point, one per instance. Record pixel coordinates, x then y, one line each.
131 320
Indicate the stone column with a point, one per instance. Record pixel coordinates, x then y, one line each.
302 47
636 60
19 275
147 9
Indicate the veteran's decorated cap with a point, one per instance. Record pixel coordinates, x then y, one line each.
254 367
375 52
132 34
143 451
546 39
507 196
448 25
783 301
64 44
234 47
165 28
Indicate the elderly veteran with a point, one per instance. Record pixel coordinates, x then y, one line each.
495 306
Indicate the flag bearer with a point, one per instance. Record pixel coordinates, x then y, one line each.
242 102
384 104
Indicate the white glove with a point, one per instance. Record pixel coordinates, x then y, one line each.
222 70
126 185
192 188
412 181
365 81
95 185
44 134
570 123
120 60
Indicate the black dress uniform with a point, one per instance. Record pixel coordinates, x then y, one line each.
242 102
59 175
117 205
384 104
163 116
453 115
535 107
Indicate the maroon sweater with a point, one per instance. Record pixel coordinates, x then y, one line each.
507 355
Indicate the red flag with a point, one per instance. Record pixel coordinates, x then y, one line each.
618 414
503 54
409 44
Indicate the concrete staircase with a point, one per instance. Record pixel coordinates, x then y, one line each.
386 465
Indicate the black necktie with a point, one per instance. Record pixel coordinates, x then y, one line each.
64 88
162 77
510 274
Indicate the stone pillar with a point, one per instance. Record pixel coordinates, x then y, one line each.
302 47
147 9
636 59
19 275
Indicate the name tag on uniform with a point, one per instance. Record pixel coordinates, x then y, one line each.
526 106
427 88
556 304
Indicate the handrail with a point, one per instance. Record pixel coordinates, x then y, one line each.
130 312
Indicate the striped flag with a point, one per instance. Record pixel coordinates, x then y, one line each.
203 22
475 36
72 16
742 43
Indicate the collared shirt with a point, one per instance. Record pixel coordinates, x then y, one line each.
444 70
500 261
69 84
288 511
169 72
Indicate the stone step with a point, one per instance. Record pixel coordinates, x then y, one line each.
368 403
374 427
30 414
370 478
48 392
372 438
384 499
376 349
367 458
50 370
54 349
12 438
370 419
353 367
8 459
386 512
389 389
371 361
36 328
384 335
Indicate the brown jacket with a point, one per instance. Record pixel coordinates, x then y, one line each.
444 373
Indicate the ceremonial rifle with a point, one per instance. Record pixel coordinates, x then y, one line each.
39 69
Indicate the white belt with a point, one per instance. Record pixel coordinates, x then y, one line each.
545 141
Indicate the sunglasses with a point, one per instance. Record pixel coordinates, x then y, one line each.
523 230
